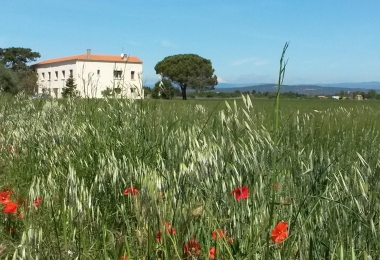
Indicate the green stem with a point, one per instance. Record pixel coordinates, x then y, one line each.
273 178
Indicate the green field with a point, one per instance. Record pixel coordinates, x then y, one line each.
319 172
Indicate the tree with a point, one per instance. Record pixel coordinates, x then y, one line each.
372 94
163 89
13 63
187 70
341 94
28 81
147 91
70 89
8 80
16 58
106 93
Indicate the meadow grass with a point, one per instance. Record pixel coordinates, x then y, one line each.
185 158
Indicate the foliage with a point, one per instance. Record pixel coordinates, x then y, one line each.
372 94
187 70
111 92
163 89
107 92
16 58
147 91
28 82
8 80
70 89
15 74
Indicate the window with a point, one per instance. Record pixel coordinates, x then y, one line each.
56 75
71 72
117 74
132 90
63 74
49 75
43 76
132 75
98 73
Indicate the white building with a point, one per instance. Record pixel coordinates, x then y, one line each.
93 74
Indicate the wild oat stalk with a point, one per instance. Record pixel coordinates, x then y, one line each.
274 177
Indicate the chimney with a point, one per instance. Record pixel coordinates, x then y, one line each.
88 53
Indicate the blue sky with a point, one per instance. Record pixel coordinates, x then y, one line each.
330 40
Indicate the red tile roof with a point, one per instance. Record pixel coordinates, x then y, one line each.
93 57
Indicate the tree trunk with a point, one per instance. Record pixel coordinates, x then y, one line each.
183 90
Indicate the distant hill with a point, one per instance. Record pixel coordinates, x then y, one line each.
307 89
320 89
367 85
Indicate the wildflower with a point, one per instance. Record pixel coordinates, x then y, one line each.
280 232
10 207
171 231
230 240
192 247
5 197
220 233
240 193
132 190
275 186
158 236
12 149
37 202
211 253
169 228
124 257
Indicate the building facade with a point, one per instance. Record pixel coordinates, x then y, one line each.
95 75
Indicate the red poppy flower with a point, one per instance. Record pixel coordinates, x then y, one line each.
132 190
37 201
240 193
167 224
124 257
275 186
220 233
280 232
211 253
5 197
192 247
158 236
230 240
171 230
10 207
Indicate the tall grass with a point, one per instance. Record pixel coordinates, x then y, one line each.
184 160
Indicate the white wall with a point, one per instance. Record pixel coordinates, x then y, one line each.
90 84
91 77
55 84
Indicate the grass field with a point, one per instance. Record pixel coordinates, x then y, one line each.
119 179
